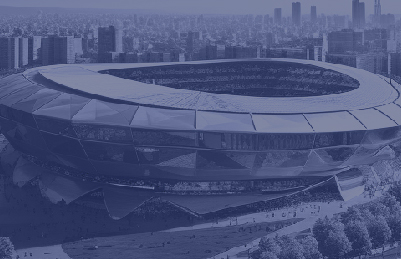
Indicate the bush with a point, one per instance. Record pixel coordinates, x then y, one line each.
6 248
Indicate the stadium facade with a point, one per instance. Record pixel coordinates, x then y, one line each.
198 121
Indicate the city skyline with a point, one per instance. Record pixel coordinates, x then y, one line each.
218 7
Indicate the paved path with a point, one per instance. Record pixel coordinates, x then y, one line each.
47 252
300 211
327 209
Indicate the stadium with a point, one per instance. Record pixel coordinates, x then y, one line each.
213 129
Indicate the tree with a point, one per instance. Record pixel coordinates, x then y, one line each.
395 190
336 245
6 248
379 231
321 230
358 235
377 208
391 202
270 245
290 248
352 214
394 222
310 248
268 255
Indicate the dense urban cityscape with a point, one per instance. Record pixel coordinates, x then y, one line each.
148 134
368 41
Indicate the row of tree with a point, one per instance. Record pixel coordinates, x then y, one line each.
353 233
287 247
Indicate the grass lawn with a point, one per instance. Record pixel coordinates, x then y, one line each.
194 244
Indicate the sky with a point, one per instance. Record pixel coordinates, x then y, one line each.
213 6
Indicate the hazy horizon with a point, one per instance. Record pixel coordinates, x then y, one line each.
342 7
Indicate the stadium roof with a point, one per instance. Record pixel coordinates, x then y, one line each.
373 90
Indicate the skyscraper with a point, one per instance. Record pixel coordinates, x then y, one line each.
23 52
190 42
361 10
313 14
341 42
378 12
358 14
277 15
355 13
110 40
34 44
9 53
296 13
58 50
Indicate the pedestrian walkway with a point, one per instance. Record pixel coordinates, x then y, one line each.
327 209
47 252
300 211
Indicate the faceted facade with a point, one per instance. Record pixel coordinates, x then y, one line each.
103 136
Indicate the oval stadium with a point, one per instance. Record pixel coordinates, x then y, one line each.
221 129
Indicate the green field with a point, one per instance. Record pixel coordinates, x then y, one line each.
194 244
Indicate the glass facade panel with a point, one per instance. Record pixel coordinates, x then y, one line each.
63 145
172 157
7 125
338 138
163 138
5 111
22 117
281 159
336 155
284 141
382 136
11 88
29 135
209 159
56 126
19 95
211 140
110 152
111 168
81 164
102 133
155 118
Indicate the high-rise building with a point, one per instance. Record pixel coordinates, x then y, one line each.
374 62
341 42
378 12
221 51
375 39
47 50
358 14
9 53
355 13
277 15
58 50
23 52
34 45
394 64
296 13
318 53
361 10
78 49
110 40
190 42
313 14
